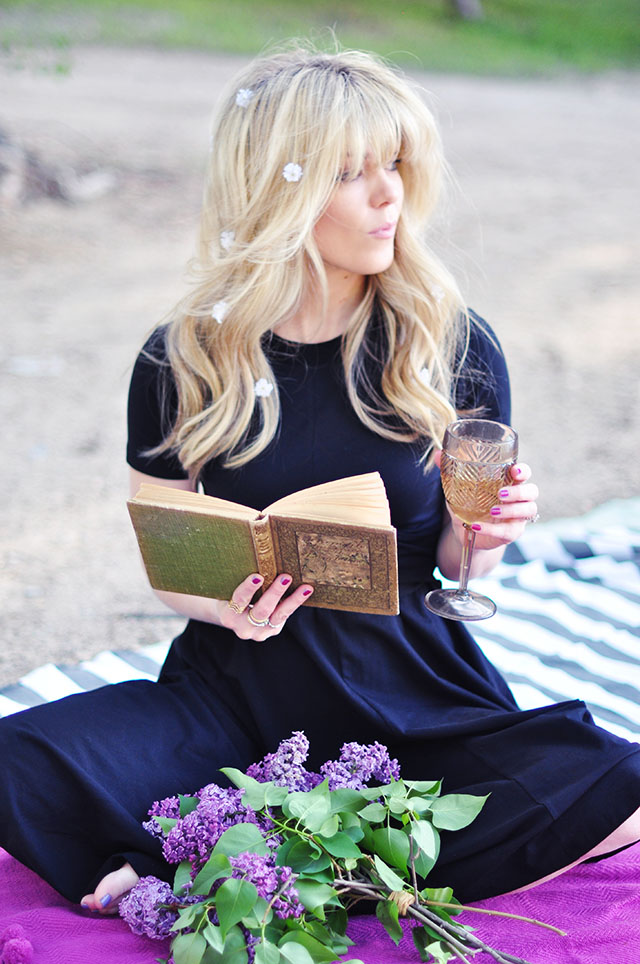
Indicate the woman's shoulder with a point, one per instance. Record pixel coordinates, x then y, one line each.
482 377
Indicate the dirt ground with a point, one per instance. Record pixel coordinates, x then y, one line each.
542 231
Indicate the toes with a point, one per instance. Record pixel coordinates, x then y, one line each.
110 890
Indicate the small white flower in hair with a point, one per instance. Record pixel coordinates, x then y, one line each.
292 172
226 239
219 311
263 388
437 293
425 376
244 97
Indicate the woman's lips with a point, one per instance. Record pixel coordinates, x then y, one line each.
386 230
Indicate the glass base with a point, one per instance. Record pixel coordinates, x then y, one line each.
459 604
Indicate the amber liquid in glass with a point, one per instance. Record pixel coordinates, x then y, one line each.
471 488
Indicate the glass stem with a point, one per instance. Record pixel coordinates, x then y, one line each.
465 559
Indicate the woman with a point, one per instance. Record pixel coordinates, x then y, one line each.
321 339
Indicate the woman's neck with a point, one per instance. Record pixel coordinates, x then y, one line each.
311 323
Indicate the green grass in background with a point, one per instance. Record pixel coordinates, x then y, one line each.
514 37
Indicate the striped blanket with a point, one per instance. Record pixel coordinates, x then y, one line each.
567 626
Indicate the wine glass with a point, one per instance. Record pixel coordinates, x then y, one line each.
477 454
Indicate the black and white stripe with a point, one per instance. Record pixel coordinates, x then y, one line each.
567 626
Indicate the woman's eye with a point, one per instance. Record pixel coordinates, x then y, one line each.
394 164
350 176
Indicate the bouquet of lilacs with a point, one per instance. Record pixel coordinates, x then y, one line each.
267 872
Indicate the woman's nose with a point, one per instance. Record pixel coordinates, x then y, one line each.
387 187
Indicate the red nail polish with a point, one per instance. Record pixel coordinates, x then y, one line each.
496 510
285 581
256 580
503 494
307 592
476 527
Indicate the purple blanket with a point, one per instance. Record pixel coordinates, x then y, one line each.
597 904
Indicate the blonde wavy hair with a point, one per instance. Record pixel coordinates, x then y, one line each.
257 255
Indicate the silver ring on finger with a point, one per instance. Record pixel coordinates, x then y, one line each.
257 622
276 625
534 518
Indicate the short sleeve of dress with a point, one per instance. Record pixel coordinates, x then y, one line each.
151 407
483 381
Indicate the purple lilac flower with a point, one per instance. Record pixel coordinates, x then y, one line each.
268 880
169 807
359 763
285 767
148 908
195 835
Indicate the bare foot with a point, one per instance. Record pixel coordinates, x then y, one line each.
110 890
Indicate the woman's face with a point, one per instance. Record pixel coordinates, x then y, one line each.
356 233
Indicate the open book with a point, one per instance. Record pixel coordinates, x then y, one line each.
336 537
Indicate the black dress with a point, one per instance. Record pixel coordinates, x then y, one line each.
78 775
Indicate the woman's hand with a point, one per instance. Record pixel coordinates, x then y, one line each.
267 617
516 506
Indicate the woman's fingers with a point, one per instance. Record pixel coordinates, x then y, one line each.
520 472
269 614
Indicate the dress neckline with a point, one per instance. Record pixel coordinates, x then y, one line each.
312 353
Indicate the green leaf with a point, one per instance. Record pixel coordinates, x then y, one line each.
187 804
330 827
239 839
257 913
254 792
425 786
188 948
318 953
217 866
266 953
374 813
275 796
233 952
339 943
392 845
213 936
439 952
388 876
427 839
398 804
166 823
351 825
341 845
186 916
302 857
346 800
182 877
311 808
337 919
456 810
295 953
314 894
234 899
442 894
421 939
387 914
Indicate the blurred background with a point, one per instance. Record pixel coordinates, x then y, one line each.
104 117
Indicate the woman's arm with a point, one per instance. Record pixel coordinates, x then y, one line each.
218 611
511 514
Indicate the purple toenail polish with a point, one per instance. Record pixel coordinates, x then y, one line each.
106 900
